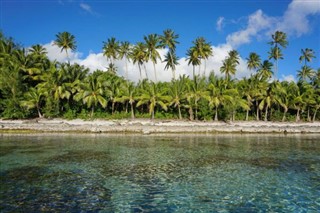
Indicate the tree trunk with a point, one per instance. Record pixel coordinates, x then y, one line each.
216 115
205 67
174 74
155 72
145 69
39 113
309 118
190 113
92 111
315 115
127 75
196 109
179 110
298 115
193 71
266 114
257 116
284 115
247 115
152 114
132 111
140 72
113 103
233 115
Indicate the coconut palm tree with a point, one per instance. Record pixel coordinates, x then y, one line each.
154 96
265 70
129 95
203 50
171 60
33 99
111 49
153 44
195 92
169 40
253 61
305 73
193 59
279 39
92 93
138 55
65 41
177 92
306 55
218 94
124 52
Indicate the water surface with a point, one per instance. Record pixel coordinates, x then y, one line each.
136 173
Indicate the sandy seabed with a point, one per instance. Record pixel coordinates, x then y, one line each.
146 126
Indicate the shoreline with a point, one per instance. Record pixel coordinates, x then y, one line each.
146 126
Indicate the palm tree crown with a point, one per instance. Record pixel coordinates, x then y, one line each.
65 41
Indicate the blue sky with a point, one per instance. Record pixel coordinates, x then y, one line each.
243 25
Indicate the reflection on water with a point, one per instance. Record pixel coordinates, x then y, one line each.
131 173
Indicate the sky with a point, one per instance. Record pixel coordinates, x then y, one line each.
243 25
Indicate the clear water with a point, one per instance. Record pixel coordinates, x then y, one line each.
132 173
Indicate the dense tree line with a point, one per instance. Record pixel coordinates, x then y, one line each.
33 86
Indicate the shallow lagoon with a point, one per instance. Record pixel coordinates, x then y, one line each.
149 173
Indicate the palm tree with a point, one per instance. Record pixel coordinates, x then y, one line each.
203 50
306 55
33 99
218 94
91 93
169 39
279 39
171 61
196 91
265 70
253 61
152 44
305 73
138 55
111 49
129 93
124 52
65 41
177 92
154 96
228 68
193 59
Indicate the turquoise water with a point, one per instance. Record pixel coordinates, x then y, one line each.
134 173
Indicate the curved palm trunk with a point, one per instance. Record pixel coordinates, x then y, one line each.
132 111
127 75
298 115
145 69
205 67
190 113
216 114
257 115
284 114
92 111
179 110
174 74
315 115
308 117
193 71
155 72
140 72
266 114
39 113
247 115
113 104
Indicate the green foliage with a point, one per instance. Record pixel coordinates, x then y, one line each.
33 86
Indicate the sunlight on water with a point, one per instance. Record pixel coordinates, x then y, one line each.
132 173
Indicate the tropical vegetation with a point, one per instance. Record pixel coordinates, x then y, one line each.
33 86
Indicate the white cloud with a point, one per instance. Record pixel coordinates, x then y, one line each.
259 25
294 22
288 78
219 24
54 53
86 7
295 19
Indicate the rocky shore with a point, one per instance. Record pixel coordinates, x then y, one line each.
145 126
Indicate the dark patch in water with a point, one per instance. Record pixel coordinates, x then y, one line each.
5 150
80 157
35 189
